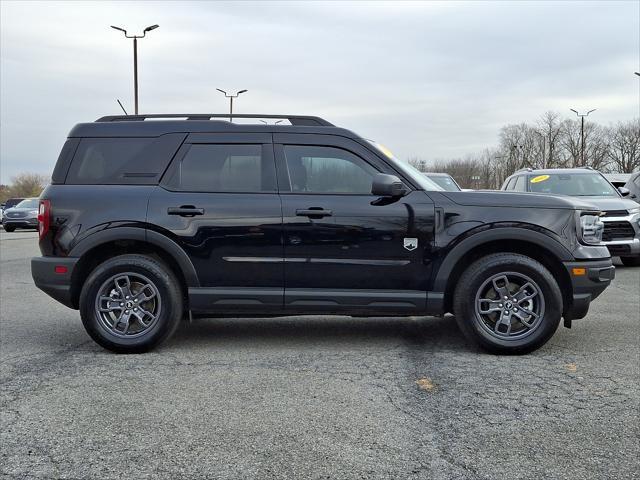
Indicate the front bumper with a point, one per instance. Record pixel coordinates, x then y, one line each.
56 284
588 280
20 222
624 247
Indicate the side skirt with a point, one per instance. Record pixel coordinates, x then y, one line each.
292 301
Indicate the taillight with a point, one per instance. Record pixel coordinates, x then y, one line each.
44 217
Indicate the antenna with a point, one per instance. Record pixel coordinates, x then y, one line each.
120 103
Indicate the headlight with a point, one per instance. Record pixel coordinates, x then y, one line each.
33 212
633 211
591 228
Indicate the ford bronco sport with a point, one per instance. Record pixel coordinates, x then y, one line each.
153 218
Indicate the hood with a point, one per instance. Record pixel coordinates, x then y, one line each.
495 198
611 203
19 210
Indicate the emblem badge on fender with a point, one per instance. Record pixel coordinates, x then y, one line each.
410 243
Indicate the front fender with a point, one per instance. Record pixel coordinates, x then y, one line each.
492 233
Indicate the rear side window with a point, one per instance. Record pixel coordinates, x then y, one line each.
224 168
122 161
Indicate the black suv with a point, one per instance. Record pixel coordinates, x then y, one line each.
147 222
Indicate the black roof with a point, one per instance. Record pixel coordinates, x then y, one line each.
153 125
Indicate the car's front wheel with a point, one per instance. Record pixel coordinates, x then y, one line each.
131 303
9 229
508 303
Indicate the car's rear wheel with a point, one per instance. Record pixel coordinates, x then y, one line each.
131 303
9 229
508 303
630 261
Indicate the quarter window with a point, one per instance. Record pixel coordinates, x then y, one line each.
120 161
520 185
510 184
316 169
224 168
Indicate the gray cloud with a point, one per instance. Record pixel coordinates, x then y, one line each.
427 79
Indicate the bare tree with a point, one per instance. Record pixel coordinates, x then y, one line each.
551 130
27 185
550 143
624 146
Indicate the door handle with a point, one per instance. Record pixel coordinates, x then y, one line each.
185 211
313 212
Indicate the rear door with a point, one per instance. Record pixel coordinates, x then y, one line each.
219 202
346 249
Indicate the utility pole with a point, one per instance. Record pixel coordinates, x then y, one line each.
231 97
582 115
135 59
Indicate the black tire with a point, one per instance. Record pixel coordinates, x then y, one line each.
167 291
9 229
631 261
480 331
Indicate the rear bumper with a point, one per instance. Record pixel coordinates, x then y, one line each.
586 287
56 285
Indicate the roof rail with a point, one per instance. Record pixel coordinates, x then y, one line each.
526 169
299 120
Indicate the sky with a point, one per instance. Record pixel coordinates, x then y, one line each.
430 80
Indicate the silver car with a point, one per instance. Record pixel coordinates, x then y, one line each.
23 215
621 216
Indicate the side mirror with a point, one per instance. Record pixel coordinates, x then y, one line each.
624 191
384 185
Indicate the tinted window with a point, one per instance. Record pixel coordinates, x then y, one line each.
224 168
12 202
64 159
327 170
520 185
122 160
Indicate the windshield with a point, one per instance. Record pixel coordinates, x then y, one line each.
28 203
409 170
572 184
446 182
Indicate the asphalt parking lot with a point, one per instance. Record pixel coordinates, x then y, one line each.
314 397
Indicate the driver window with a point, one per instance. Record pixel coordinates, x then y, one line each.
329 170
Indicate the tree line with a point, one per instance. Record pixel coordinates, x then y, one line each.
551 142
23 186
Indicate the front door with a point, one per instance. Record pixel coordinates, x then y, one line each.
346 249
218 200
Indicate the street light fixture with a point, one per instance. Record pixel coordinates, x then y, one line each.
231 97
582 115
135 58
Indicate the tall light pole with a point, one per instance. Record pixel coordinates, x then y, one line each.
135 59
231 97
582 115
